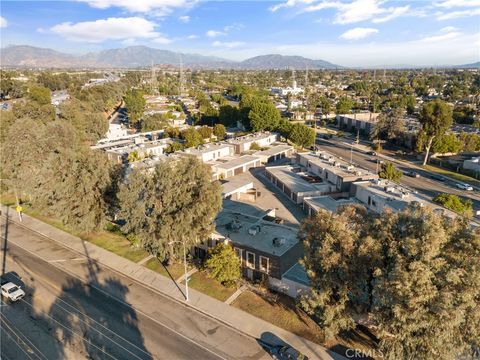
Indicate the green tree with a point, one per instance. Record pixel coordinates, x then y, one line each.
192 137
447 143
135 104
454 203
174 146
154 122
205 132
229 115
263 116
40 94
415 273
436 119
389 125
344 105
219 131
302 135
389 172
176 203
223 264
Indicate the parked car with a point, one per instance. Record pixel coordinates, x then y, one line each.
287 353
437 177
373 153
12 292
412 174
464 186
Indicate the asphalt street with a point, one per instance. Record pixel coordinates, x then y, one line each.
70 306
423 184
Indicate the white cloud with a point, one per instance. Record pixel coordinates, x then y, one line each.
458 3
109 29
229 45
191 37
350 12
289 4
457 14
447 33
184 19
3 22
394 13
461 50
214 33
160 39
358 33
153 7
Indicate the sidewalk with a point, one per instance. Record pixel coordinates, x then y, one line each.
222 312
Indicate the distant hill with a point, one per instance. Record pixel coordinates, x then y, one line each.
30 56
129 57
276 61
475 65
144 56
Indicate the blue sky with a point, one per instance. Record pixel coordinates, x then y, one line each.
351 33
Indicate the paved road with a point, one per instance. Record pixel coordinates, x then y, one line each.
68 296
423 184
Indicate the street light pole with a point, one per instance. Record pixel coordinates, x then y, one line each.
185 264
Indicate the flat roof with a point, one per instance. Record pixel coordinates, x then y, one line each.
274 150
235 183
235 162
251 137
206 148
294 181
326 202
298 274
397 196
338 166
255 233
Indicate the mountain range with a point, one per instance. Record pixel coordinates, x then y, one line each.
143 56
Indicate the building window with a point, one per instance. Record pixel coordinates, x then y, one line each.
250 260
264 264
238 252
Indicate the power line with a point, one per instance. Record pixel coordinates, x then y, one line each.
2 319
72 331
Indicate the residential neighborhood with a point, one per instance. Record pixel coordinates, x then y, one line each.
240 180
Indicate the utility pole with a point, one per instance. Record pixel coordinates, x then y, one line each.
186 272
181 76
153 80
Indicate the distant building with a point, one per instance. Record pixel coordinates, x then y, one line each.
312 205
362 122
116 131
209 152
262 139
333 170
472 164
274 153
296 184
294 90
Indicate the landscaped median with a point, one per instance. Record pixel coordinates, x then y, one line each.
454 175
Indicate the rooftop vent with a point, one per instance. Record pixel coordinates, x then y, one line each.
277 242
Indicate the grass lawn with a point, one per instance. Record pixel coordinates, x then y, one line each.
175 269
115 243
201 282
283 313
452 174
110 241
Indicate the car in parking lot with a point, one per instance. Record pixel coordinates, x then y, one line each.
463 186
372 153
413 174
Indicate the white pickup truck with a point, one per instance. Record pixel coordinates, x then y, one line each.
12 292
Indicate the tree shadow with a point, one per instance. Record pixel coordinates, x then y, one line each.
96 316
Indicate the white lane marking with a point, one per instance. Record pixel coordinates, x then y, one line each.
130 306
